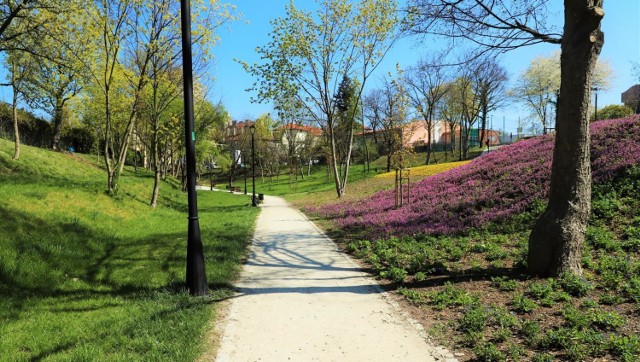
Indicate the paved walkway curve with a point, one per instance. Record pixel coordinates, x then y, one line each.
300 299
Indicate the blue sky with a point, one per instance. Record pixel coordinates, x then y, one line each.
621 26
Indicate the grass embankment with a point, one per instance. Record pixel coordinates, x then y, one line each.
458 254
87 276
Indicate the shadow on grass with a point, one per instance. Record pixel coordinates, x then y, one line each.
31 182
67 259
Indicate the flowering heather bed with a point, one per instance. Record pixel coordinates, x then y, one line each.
493 187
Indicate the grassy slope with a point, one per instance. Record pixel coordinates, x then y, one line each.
85 276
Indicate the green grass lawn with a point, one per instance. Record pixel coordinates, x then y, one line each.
87 276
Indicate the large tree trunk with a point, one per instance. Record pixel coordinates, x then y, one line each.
556 240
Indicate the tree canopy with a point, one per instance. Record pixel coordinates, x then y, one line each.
309 55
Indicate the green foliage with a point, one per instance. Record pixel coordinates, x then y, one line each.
451 296
614 270
601 238
495 252
575 285
516 352
420 276
542 357
341 41
542 289
503 318
523 304
632 288
613 111
504 284
414 296
610 299
575 318
394 274
82 139
559 338
606 207
531 332
632 235
607 321
34 131
488 352
474 318
627 348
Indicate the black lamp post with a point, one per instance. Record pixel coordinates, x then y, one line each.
244 168
254 202
595 115
196 279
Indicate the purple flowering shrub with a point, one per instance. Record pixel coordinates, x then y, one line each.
491 188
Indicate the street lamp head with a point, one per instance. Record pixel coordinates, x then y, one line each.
252 129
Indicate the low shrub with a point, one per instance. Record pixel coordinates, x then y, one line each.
451 296
504 283
576 286
523 304
488 352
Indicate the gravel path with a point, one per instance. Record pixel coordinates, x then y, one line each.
300 299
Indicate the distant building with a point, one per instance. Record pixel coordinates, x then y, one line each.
490 136
416 135
237 129
237 136
298 133
413 134
631 98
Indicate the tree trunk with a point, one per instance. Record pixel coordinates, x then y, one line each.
334 160
57 123
112 182
389 151
155 149
465 142
345 176
460 144
156 189
483 124
555 243
429 130
14 114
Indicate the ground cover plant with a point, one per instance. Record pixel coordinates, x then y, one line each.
464 279
88 276
493 187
